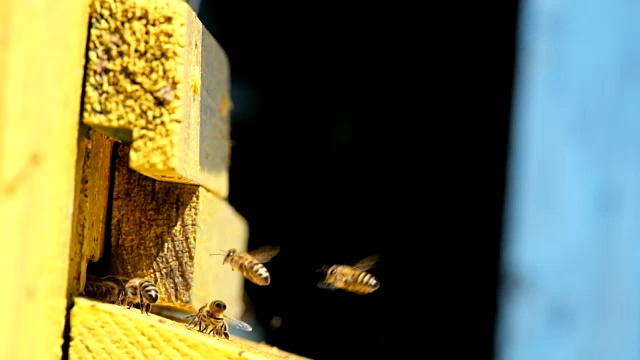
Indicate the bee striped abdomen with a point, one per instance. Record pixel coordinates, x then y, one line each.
351 278
149 291
143 292
363 283
250 265
257 273
252 270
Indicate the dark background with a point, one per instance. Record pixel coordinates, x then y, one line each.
366 131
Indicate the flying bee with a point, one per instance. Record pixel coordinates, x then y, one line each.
140 291
109 289
250 264
211 319
352 278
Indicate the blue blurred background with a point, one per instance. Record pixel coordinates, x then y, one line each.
571 261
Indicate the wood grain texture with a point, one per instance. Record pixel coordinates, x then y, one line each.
93 173
104 331
158 80
165 231
41 67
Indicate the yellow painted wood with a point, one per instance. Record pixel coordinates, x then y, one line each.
158 79
93 174
42 50
104 331
220 227
165 231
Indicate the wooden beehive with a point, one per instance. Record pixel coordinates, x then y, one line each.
138 185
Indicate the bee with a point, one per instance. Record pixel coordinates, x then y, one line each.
140 291
109 289
352 278
210 319
250 264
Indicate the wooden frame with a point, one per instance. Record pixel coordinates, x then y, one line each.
57 176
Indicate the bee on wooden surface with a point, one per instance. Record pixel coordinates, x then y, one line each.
352 278
140 291
250 264
109 289
210 319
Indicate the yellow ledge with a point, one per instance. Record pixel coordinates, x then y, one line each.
104 331
157 79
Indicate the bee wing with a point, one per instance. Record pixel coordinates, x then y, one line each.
366 263
238 323
265 253
326 285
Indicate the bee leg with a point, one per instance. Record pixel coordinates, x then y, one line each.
148 308
142 303
190 322
226 334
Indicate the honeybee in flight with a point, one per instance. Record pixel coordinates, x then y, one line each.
210 319
140 291
109 289
352 278
250 264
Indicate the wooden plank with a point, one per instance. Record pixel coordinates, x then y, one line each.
165 231
93 175
572 255
41 67
158 79
104 331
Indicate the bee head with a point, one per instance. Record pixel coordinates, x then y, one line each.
332 271
219 304
217 307
228 256
226 253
